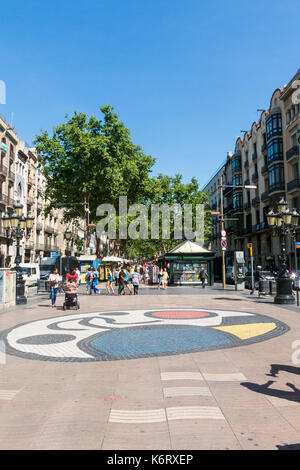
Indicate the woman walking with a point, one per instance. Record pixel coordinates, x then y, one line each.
109 284
54 280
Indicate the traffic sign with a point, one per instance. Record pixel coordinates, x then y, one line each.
223 233
249 245
223 243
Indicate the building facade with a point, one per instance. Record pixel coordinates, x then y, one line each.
22 180
267 156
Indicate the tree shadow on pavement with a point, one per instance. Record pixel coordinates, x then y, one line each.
294 395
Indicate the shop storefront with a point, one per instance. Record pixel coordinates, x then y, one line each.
186 261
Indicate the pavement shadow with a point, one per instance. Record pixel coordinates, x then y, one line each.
294 395
289 447
275 368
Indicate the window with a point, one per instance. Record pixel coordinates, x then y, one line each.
237 180
276 177
236 163
257 217
237 200
275 150
274 126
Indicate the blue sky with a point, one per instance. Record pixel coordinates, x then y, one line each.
184 76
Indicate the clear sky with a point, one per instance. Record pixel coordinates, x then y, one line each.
185 76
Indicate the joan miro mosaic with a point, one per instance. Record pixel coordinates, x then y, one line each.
109 336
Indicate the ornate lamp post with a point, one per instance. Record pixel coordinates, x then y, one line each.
68 237
15 225
283 223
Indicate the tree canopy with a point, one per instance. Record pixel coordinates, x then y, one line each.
95 161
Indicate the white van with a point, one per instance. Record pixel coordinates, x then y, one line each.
30 273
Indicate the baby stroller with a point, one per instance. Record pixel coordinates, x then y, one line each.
71 297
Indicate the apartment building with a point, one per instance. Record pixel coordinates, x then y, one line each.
266 156
22 180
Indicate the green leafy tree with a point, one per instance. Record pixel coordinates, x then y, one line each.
86 159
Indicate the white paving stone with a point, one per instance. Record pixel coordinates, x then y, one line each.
186 391
224 377
181 376
194 412
137 416
8 394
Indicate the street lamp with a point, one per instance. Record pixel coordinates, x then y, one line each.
68 236
15 225
283 223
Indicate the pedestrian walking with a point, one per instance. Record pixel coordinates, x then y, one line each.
54 280
135 279
94 280
203 276
127 281
160 279
116 275
72 277
165 278
258 276
88 280
109 284
78 274
121 290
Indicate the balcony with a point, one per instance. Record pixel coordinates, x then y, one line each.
48 247
228 208
227 191
255 177
12 156
30 200
294 186
256 228
247 182
3 170
292 154
255 201
49 228
247 206
10 202
238 208
246 164
279 186
11 175
29 245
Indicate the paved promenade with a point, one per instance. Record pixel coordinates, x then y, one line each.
182 369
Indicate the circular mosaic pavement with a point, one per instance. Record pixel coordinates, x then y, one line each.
108 336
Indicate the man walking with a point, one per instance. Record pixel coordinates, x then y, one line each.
135 279
203 276
258 276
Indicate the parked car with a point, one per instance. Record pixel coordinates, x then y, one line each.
268 276
30 273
